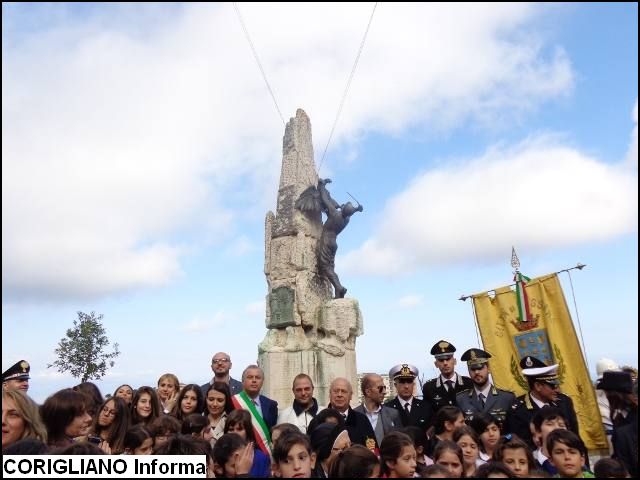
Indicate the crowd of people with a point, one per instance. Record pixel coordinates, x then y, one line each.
460 427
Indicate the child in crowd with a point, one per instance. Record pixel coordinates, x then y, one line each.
397 455
163 429
138 441
420 442
355 462
281 430
545 421
568 454
515 454
494 470
435 471
449 455
232 456
292 456
468 440
489 430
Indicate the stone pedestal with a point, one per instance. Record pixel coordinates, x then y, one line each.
308 331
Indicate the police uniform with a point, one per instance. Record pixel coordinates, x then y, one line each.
497 401
420 412
18 371
435 391
524 408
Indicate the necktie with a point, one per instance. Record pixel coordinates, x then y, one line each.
481 397
449 385
407 409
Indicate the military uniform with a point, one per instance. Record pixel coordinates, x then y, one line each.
524 408
497 404
497 401
435 391
16 377
420 413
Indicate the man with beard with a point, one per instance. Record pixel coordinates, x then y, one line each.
305 406
484 396
220 365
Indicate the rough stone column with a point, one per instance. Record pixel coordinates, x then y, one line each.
297 340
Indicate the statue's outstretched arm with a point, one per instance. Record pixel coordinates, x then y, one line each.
326 198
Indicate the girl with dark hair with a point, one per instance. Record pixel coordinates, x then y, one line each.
328 415
494 470
145 406
163 429
449 455
488 428
282 430
420 443
111 424
239 422
445 422
65 415
355 462
197 426
138 441
327 441
218 406
233 456
515 454
93 394
397 455
190 400
124 392
468 440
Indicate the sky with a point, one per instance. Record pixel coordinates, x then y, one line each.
141 151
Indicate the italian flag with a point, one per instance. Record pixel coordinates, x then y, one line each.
521 296
242 401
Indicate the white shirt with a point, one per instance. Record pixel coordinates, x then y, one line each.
372 415
540 403
404 402
486 391
453 379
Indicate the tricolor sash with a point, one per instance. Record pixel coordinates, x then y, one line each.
241 401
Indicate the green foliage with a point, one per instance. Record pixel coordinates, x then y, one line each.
82 351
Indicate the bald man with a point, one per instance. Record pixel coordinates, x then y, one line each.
220 365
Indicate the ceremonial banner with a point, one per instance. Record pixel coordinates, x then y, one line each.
547 334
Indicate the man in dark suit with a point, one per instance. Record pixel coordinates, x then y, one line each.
544 387
252 380
484 396
358 425
413 411
221 365
383 419
442 390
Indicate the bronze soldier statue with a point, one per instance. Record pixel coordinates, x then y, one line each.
319 199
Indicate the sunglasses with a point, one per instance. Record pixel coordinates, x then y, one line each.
380 388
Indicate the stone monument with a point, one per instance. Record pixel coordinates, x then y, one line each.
308 330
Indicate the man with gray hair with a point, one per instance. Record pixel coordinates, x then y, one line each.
383 419
358 425
251 400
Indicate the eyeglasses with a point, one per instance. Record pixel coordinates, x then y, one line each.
380 388
219 360
108 412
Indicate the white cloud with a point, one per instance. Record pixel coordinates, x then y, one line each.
124 139
632 153
203 324
410 301
537 195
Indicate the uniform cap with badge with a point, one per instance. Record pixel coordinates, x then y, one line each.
403 370
476 358
443 350
18 371
538 371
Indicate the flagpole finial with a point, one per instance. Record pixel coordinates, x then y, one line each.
515 262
